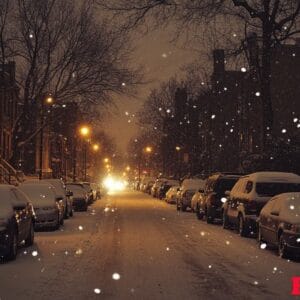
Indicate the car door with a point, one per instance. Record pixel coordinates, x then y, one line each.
20 208
265 221
233 201
274 220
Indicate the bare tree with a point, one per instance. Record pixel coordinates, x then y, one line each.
273 21
63 49
4 14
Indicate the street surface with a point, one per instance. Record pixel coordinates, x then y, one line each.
131 246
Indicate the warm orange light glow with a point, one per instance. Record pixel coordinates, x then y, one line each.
84 131
106 160
49 100
148 149
96 147
128 168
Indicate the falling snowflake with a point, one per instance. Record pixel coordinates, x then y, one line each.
202 233
292 207
257 94
283 130
116 276
164 55
97 291
227 242
255 282
80 227
168 249
34 253
213 116
243 69
209 266
263 246
78 252
223 199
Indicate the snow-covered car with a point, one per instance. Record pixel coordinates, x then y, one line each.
171 194
156 186
251 193
165 186
60 189
279 224
210 202
187 191
48 206
96 190
196 198
16 221
80 196
89 190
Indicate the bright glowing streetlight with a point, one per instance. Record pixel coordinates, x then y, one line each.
84 131
148 149
96 147
49 100
106 160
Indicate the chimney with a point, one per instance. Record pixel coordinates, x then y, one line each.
219 61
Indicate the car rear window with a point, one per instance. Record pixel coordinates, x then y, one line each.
274 188
225 184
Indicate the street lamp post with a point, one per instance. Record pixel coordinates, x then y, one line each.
49 101
84 132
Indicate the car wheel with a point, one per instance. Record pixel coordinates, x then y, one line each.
225 221
30 237
242 227
13 246
57 225
282 248
198 214
183 207
209 216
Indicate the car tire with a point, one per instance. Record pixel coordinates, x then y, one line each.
66 213
198 214
13 246
30 238
57 225
242 227
225 221
282 248
209 217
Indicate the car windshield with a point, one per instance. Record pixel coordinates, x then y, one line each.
274 188
225 184
5 203
58 185
77 190
37 193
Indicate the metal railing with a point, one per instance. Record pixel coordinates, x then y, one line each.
8 174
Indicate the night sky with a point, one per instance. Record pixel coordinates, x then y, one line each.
161 60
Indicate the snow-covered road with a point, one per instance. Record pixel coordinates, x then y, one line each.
131 246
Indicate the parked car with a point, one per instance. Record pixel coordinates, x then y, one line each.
148 186
196 199
171 194
156 186
16 221
89 190
165 186
251 193
80 196
210 202
48 206
187 191
96 190
61 191
279 224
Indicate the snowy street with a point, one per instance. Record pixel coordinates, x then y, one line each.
131 246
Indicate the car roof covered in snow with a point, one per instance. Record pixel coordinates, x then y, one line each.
273 177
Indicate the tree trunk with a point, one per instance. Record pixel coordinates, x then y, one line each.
266 98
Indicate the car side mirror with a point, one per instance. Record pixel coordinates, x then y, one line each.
69 194
227 193
275 213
